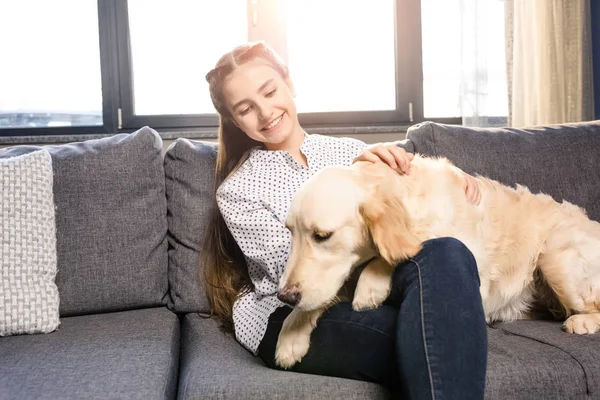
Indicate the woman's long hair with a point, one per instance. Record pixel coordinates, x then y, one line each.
226 276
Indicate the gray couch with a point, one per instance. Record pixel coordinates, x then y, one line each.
133 314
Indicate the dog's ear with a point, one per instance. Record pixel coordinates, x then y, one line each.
389 225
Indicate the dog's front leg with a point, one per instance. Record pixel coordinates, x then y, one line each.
373 286
294 337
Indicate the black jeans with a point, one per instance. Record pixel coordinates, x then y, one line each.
428 340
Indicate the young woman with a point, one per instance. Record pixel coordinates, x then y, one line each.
428 340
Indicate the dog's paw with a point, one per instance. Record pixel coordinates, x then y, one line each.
367 297
583 324
373 286
290 349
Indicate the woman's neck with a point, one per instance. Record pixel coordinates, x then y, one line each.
292 145
299 157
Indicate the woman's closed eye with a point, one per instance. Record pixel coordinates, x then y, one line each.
244 111
270 93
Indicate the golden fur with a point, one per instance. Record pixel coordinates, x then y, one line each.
530 250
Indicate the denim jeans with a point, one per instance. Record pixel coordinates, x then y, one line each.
427 341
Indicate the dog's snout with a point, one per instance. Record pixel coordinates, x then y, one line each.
290 295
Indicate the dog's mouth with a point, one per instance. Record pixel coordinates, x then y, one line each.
343 289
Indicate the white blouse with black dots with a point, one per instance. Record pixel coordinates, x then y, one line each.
254 202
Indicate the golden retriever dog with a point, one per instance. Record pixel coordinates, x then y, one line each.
530 250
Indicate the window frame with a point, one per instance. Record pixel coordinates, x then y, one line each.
406 67
128 118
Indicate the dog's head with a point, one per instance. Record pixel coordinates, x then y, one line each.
340 218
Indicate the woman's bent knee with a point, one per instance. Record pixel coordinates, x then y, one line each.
450 254
447 246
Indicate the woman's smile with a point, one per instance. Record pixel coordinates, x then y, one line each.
273 125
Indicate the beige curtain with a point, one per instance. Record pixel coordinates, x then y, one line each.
549 61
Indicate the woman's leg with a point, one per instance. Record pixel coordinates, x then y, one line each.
442 333
432 326
346 343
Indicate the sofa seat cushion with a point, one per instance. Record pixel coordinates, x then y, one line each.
124 355
527 360
538 360
214 366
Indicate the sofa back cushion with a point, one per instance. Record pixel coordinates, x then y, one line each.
190 186
110 222
559 160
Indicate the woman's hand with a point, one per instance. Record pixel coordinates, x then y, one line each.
396 157
399 160
472 189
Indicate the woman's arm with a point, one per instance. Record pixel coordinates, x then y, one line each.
263 239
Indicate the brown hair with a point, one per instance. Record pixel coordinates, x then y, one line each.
225 272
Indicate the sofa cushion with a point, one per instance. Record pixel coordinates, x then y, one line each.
110 221
559 160
520 366
28 295
214 366
537 359
189 176
125 355
526 364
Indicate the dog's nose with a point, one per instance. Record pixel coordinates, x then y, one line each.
290 295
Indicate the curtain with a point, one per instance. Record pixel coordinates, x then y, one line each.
549 63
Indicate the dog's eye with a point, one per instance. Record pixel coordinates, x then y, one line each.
321 236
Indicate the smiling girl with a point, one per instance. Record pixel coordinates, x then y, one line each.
428 340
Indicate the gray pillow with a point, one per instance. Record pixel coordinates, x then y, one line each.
189 175
28 294
559 160
111 222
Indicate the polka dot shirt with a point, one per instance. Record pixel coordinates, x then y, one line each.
254 202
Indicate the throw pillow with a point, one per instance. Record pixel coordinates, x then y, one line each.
29 298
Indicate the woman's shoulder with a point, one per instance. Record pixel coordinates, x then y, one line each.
234 183
337 141
337 150
239 183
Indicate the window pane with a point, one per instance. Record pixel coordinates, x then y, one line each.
174 45
441 58
463 39
50 69
341 54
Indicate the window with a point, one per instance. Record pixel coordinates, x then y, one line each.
50 69
341 56
90 66
173 46
342 61
463 58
